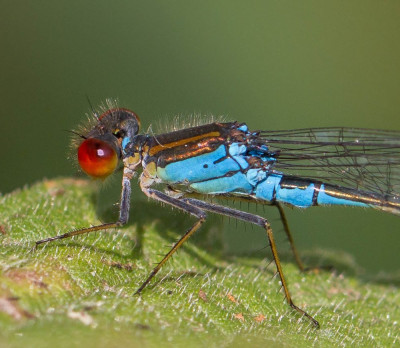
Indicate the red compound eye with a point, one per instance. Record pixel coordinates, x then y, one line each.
97 158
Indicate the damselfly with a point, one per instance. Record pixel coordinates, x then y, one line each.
301 168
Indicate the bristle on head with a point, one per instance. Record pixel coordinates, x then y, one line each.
92 118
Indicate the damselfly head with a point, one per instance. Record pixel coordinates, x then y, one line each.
99 152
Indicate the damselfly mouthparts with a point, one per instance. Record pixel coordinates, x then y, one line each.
301 168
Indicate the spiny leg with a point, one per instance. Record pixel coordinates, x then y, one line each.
180 204
77 232
289 236
293 247
123 217
262 222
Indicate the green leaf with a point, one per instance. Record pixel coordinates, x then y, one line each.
81 291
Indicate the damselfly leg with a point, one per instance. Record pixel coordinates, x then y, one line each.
262 222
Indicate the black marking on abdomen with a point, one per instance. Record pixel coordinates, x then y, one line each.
288 182
317 187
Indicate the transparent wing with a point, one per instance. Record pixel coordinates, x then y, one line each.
363 159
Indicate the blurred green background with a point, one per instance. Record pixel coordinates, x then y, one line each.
272 64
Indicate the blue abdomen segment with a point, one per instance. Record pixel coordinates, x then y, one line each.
305 193
277 188
329 194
